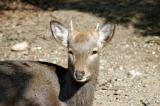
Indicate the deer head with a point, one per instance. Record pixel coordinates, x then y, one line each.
83 48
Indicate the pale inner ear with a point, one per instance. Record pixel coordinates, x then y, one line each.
105 34
60 33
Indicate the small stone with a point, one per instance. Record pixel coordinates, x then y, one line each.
20 46
101 67
36 48
39 48
126 45
121 68
134 73
153 52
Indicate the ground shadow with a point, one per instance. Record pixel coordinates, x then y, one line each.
142 14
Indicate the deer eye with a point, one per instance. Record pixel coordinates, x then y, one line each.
94 52
70 52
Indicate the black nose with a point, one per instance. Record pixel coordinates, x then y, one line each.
79 75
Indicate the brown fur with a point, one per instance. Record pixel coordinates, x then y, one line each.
72 92
25 83
82 36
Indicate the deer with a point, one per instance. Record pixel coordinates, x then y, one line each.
38 83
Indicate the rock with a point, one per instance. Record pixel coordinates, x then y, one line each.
121 67
153 52
101 67
134 73
20 46
36 48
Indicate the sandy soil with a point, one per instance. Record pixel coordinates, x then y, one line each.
129 66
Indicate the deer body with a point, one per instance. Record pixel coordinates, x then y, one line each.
35 83
26 83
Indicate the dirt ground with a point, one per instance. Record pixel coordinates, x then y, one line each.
129 65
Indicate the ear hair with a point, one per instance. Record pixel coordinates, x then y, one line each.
106 33
60 32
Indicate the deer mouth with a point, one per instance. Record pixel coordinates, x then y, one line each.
81 79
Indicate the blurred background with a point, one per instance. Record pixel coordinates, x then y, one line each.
143 14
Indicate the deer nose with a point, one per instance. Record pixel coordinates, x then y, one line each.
79 75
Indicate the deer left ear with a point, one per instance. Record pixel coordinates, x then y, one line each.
106 33
60 32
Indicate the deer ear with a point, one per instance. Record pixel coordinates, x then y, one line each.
60 32
106 33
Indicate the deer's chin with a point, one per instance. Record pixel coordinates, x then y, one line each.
83 80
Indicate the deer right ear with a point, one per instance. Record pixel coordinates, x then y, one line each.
60 32
106 32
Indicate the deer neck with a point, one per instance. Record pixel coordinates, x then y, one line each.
78 94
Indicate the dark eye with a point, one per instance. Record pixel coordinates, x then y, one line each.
94 52
70 52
